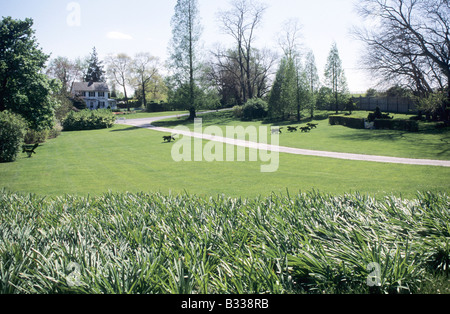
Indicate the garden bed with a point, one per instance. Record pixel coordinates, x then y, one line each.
181 244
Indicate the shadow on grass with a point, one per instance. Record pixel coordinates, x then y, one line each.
372 135
303 120
437 147
215 118
131 128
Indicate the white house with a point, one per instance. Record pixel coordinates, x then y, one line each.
96 95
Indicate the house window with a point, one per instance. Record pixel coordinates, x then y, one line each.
102 104
91 94
101 94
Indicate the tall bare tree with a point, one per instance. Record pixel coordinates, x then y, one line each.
118 68
241 22
67 71
312 77
289 38
408 43
144 68
224 70
289 41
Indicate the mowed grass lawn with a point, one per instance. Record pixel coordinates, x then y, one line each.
133 160
428 143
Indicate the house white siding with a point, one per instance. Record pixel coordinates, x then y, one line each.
96 95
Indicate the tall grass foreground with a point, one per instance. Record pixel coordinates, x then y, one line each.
183 244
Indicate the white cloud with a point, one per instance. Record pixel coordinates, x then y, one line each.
119 35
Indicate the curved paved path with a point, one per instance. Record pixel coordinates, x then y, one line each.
147 123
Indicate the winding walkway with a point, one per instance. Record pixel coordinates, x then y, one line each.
147 123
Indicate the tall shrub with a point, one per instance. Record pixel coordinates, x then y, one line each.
12 131
255 108
89 120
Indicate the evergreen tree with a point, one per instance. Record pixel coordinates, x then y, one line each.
276 109
95 72
186 31
289 90
335 76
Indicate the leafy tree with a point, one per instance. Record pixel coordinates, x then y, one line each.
12 132
186 32
397 91
371 92
289 87
335 76
78 102
324 98
23 88
290 91
95 72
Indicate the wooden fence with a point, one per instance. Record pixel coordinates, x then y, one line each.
387 104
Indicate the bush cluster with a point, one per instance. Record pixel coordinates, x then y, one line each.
254 109
12 132
377 114
33 136
89 120
161 106
384 121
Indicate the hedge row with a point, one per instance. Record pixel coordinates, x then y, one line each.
388 124
89 120
393 124
354 123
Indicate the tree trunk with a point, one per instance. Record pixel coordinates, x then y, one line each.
126 97
241 66
192 113
144 96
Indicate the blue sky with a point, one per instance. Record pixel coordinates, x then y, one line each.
133 26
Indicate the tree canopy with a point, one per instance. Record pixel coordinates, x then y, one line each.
23 88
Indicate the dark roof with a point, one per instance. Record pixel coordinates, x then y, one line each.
90 87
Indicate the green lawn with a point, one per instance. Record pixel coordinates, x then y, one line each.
130 159
199 242
428 143
142 114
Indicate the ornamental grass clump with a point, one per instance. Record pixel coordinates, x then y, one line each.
121 243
